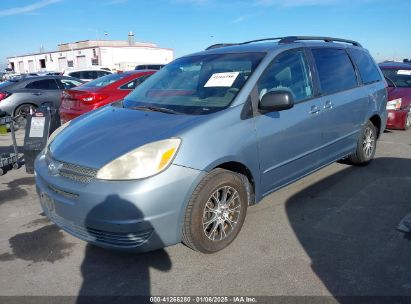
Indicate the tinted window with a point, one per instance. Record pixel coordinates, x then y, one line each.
335 70
69 83
400 78
135 83
289 71
45 84
368 70
88 75
105 80
75 74
102 73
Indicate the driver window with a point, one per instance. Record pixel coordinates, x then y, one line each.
288 71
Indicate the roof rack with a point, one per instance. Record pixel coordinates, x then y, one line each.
288 39
219 45
291 39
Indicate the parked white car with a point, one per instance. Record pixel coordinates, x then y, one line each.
86 74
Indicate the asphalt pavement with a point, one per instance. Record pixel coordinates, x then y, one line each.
332 233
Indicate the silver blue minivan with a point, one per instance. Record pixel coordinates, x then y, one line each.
182 157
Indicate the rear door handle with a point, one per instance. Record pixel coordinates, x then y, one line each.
36 94
314 110
328 105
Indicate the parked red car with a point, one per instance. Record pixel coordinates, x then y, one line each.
99 92
398 76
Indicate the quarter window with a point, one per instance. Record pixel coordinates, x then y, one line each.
335 70
289 71
368 70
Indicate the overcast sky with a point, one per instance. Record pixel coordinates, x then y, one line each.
382 26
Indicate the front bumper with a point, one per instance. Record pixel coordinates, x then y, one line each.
140 215
397 119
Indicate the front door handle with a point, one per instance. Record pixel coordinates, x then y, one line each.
328 105
314 110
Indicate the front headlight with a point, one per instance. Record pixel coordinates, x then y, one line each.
142 162
394 104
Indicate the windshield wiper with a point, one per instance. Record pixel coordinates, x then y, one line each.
155 109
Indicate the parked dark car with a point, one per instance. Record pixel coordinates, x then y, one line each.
398 76
19 96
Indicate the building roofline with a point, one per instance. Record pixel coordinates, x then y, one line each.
92 47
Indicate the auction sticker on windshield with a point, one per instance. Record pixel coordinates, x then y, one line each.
222 79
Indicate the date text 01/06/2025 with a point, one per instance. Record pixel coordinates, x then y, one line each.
202 299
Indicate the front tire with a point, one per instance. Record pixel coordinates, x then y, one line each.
366 146
216 211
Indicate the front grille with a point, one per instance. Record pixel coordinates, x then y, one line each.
116 239
74 172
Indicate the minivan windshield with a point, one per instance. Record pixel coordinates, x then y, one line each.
104 81
199 84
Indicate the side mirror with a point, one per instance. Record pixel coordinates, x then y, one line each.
276 101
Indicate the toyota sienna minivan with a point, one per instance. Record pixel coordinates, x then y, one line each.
182 157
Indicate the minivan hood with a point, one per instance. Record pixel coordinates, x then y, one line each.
95 139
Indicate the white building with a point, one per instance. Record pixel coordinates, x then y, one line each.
113 54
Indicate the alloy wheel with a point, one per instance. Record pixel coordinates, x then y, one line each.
221 213
368 142
22 113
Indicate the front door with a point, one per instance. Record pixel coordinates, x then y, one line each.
289 141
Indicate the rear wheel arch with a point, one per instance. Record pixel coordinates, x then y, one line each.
24 104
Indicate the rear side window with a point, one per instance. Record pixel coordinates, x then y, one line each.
88 75
69 83
368 70
289 71
105 80
45 84
335 70
102 73
135 83
75 74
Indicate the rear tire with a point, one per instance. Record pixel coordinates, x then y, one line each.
366 146
23 110
216 211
